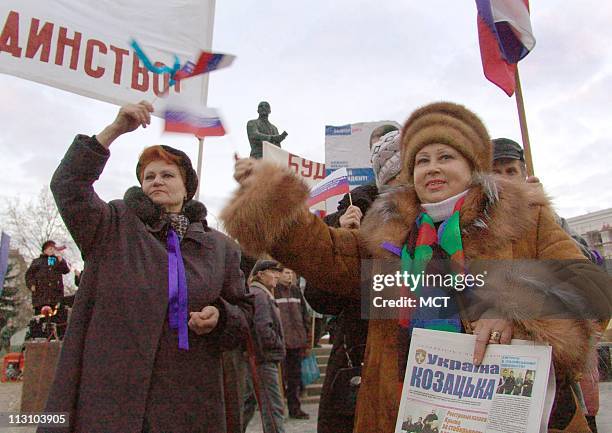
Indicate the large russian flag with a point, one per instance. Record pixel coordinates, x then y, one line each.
505 36
336 183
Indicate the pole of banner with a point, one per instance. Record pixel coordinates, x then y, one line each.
199 170
211 24
520 105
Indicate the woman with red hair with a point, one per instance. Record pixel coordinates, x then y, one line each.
161 296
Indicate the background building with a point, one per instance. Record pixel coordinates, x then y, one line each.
596 229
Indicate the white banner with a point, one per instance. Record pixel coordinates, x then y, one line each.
310 171
349 146
83 46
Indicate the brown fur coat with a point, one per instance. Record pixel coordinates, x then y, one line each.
499 220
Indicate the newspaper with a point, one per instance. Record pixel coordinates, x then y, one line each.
512 391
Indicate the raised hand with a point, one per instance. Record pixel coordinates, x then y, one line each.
243 169
129 118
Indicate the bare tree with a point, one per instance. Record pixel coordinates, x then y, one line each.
16 298
33 223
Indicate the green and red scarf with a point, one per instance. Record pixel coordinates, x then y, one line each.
426 242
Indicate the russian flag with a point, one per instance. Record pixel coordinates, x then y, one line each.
336 183
505 36
206 62
202 123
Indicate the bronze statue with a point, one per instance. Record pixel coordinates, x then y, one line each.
261 129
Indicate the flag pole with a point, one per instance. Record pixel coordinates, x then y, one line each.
520 105
205 98
199 171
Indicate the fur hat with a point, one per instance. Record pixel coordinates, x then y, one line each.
450 124
386 160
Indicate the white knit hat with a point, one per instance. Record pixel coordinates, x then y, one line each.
386 159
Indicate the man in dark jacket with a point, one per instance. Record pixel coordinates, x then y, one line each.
269 348
296 325
44 277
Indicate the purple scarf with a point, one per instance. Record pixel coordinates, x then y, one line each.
177 290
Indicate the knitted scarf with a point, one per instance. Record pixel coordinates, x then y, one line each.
445 247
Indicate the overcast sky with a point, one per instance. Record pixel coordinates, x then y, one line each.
320 62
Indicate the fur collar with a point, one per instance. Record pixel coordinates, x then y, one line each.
150 213
495 212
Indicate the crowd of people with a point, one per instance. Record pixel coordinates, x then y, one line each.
163 298
446 180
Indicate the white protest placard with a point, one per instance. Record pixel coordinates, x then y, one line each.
349 146
310 171
83 46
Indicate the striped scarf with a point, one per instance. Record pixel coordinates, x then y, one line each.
445 247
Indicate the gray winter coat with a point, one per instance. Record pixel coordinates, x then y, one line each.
268 331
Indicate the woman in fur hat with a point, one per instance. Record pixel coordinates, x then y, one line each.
446 160
161 296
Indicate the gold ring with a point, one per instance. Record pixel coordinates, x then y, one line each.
495 336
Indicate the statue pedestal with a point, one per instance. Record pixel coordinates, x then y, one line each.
40 361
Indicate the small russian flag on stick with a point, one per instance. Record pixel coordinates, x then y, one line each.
194 119
205 63
336 183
